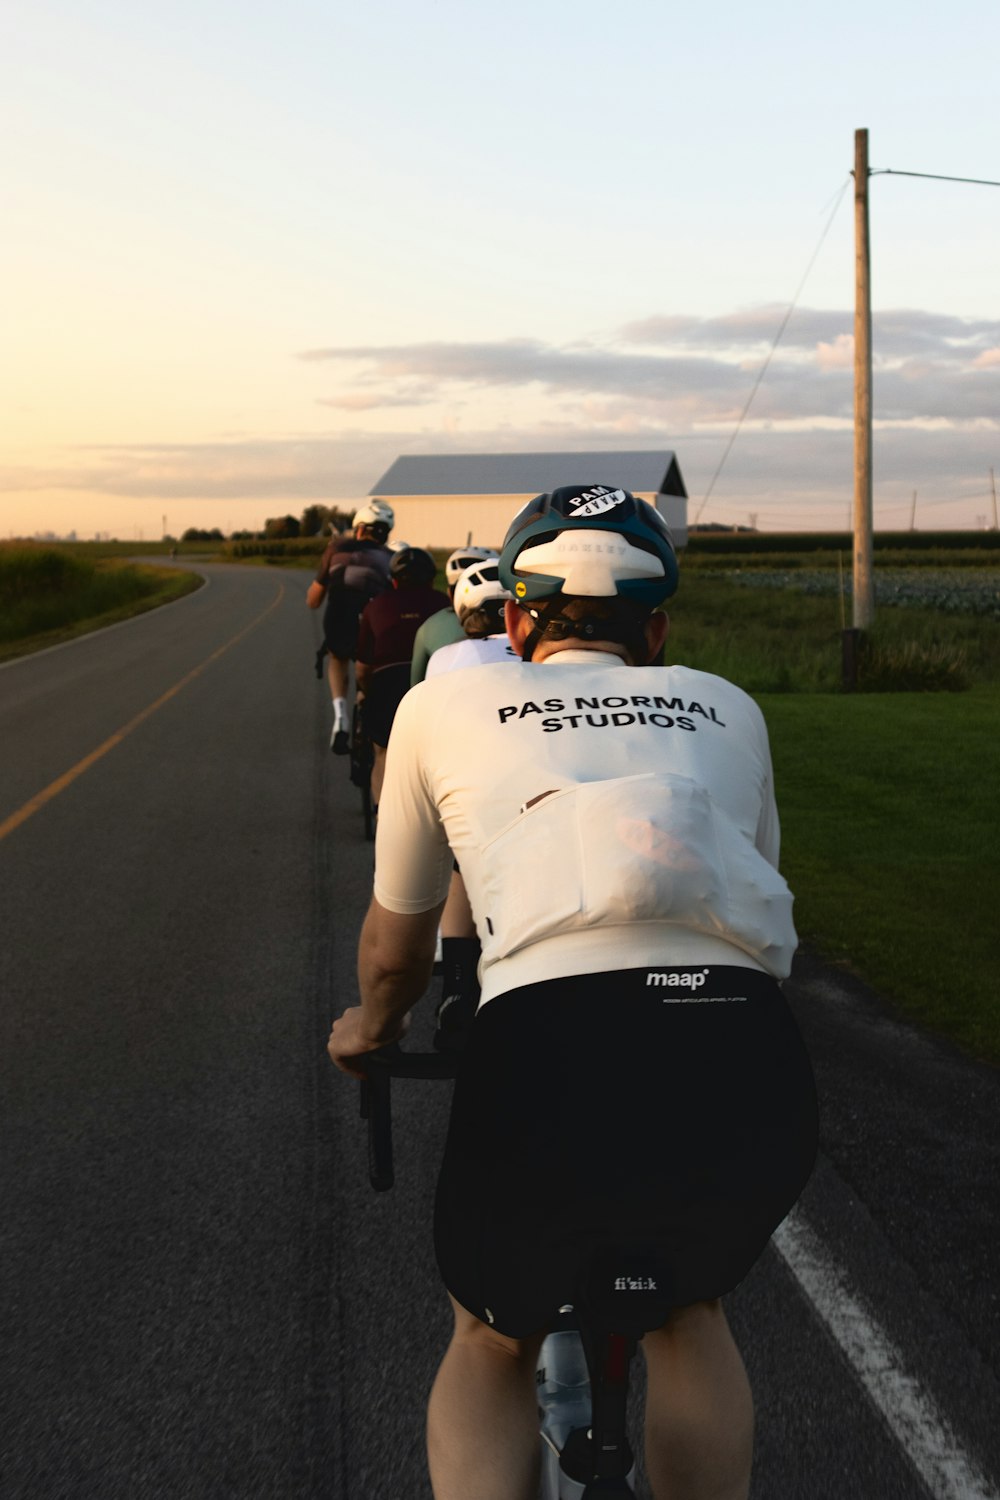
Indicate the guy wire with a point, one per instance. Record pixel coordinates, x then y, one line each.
774 345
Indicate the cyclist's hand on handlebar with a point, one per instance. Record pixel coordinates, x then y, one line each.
349 1040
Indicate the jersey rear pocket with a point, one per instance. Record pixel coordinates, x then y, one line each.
531 876
650 852
636 849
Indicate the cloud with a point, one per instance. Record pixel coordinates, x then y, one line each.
677 383
747 326
362 401
896 332
691 370
797 478
836 356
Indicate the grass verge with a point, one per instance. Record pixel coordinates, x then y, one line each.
48 596
889 810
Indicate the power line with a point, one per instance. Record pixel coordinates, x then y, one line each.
877 172
770 352
934 176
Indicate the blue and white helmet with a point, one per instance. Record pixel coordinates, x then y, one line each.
591 541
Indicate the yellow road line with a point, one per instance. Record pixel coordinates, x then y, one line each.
68 777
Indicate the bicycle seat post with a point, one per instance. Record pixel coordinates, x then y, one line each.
625 1293
603 1459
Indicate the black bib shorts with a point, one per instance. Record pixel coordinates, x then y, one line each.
385 692
341 618
670 1111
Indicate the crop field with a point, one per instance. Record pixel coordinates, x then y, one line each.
772 636
953 590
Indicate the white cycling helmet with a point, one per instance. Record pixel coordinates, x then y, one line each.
398 546
374 513
479 598
462 558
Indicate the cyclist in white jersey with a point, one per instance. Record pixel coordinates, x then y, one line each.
443 630
478 599
633 1065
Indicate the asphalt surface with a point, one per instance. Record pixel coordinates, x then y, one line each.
201 1295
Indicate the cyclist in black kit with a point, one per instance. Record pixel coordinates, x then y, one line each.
353 570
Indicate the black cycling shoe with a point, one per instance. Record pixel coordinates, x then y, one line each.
340 742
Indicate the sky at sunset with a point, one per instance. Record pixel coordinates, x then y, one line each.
251 253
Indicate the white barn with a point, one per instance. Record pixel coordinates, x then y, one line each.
449 499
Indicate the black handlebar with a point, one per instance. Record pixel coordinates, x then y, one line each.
383 1065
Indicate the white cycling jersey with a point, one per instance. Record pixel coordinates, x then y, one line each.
471 653
604 817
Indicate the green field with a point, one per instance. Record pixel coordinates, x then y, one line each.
888 796
889 810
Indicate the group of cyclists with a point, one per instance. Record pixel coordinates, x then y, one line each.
383 614
599 836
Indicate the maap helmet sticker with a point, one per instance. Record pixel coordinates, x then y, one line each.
596 501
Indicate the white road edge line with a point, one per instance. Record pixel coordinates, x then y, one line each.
918 1426
88 635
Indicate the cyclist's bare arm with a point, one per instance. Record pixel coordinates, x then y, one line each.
395 959
315 594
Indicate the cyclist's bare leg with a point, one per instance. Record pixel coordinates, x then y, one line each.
699 1410
482 1420
338 672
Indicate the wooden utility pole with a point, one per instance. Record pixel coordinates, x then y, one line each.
864 589
993 487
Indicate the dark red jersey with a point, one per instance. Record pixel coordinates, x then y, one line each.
391 620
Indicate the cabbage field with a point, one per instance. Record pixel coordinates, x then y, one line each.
967 591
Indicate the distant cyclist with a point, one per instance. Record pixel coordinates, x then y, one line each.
353 570
633 1068
441 629
385 644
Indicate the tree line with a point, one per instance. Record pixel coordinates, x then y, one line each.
315 520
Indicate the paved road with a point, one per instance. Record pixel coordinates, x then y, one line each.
201 1296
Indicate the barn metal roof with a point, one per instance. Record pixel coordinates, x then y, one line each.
528 473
